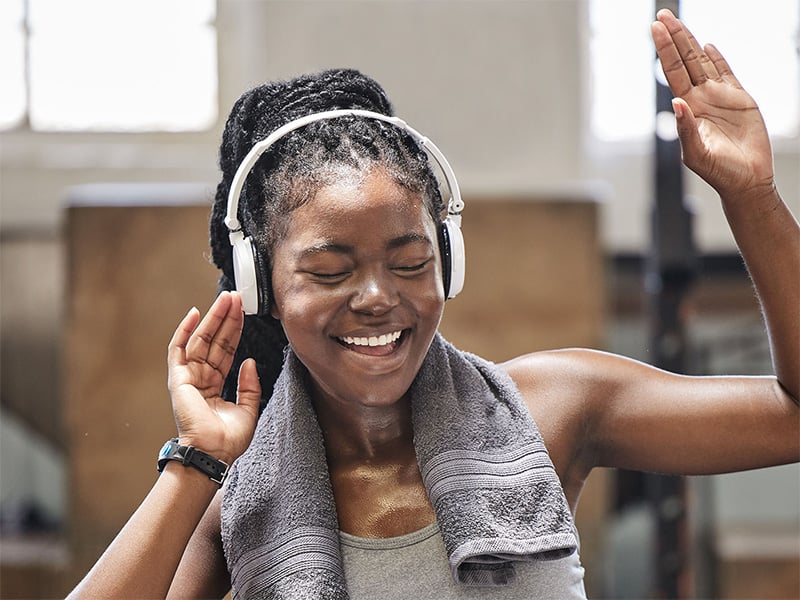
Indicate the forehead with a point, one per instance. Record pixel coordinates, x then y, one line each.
371 206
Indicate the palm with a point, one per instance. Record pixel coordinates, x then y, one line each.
199 361
199 409
732 135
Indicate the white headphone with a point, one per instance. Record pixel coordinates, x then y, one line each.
248 271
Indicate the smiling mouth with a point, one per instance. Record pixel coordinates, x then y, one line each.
377 345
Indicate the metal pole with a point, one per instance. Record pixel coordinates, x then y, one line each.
669 275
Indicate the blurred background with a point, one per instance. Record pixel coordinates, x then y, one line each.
550 114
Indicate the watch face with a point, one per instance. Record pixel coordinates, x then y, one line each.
167 449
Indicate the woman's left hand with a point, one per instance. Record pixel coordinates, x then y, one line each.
723 136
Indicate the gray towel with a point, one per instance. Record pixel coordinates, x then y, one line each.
486 470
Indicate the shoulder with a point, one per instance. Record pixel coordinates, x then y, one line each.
557 387
560 385
577 372
582 386
568 393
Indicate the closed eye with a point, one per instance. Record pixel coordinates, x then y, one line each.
329 277
413 268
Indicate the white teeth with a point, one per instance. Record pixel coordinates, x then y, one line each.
374 340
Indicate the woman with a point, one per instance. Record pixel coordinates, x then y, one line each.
368 447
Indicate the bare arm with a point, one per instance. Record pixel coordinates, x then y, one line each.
650 420
142 560
203 572
724 140
597 409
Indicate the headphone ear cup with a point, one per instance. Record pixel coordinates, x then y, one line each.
451 246
244 272
263 280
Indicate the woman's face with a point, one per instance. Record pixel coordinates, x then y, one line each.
357 286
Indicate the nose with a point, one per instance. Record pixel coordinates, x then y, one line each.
374 293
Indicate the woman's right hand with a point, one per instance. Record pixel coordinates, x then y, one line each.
723 136
199 358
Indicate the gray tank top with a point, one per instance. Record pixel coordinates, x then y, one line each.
415 566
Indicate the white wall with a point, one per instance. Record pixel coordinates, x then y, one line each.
485 80
500 85
494 83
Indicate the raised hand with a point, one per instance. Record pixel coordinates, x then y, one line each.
722 133
199 358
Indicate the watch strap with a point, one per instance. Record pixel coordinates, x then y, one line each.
189 456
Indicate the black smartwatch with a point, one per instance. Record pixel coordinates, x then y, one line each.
189 456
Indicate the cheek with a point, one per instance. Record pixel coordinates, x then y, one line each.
295 305
304 324
426 299
285 293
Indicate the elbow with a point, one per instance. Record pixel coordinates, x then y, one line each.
789 390
793 397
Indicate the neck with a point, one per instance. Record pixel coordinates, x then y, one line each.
355 432
373 467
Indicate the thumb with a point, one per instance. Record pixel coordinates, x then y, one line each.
691 143
249 388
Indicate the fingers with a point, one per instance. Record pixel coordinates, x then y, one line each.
177 345
722 66
216 337
698 64
671 62
684 62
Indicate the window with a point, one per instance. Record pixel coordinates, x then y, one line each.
97 65
622 60
12 63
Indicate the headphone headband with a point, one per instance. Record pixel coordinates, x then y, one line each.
454 206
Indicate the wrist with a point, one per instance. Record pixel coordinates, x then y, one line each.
761 196
212 448
189 481
190 456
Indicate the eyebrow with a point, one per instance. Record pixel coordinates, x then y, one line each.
394 243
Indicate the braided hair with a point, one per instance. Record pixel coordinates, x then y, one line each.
293 170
